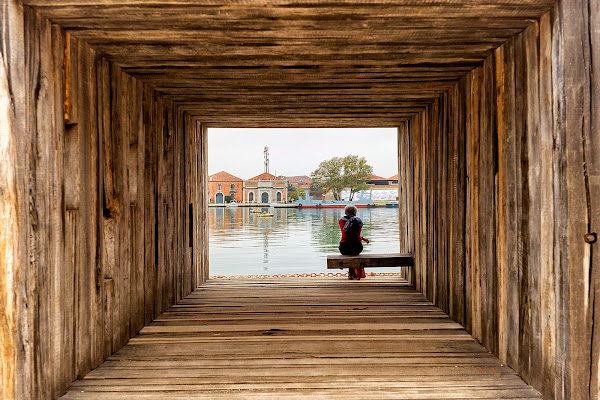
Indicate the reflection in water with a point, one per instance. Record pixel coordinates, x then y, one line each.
292 241
266 251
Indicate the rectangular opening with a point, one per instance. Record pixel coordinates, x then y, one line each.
268 215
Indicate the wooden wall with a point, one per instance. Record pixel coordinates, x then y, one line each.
98 175
501 183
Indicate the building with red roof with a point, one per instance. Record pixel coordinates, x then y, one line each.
300 181
379 182
265 188
224 184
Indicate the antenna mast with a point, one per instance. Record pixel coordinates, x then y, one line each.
266 159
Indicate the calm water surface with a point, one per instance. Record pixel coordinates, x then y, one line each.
292 241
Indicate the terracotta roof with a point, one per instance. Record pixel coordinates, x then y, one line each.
265 176
223 177
377 178
299 178
393 178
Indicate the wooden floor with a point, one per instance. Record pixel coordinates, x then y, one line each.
300 338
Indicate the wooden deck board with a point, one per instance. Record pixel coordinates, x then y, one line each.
298 338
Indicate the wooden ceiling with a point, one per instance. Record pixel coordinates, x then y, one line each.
305 63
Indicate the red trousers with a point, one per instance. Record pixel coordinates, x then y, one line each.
356 273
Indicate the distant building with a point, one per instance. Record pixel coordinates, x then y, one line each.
301 181
265 188
378 182
224 184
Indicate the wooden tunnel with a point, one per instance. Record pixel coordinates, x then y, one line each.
104 107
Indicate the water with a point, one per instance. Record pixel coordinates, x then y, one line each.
292 241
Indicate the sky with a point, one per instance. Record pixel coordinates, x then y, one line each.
294 152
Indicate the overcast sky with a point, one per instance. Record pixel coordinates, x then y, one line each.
298 151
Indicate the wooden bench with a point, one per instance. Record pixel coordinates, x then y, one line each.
370 261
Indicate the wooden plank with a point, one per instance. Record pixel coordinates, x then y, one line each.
531 38
499 58
41 129
456 233
511 221
170 213
561 277
121 107
202 176
474 159
150 162
487 209
161 207
138 255
369 261
522 208
546 284
10 245
580 87
86 283
61 331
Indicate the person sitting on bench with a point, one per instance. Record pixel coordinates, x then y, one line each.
351 242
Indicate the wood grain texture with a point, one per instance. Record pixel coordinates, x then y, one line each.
319 63
531 282
103 139
303 338
74 184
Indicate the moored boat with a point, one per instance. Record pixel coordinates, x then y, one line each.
307 202
392 204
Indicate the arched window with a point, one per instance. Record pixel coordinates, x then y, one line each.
278 196
265 197
218 186
250 197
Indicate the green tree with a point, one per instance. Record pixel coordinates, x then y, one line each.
329 175
356 174
293 192
336 174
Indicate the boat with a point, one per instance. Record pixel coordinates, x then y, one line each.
232 204
392 204
265 214
307 202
